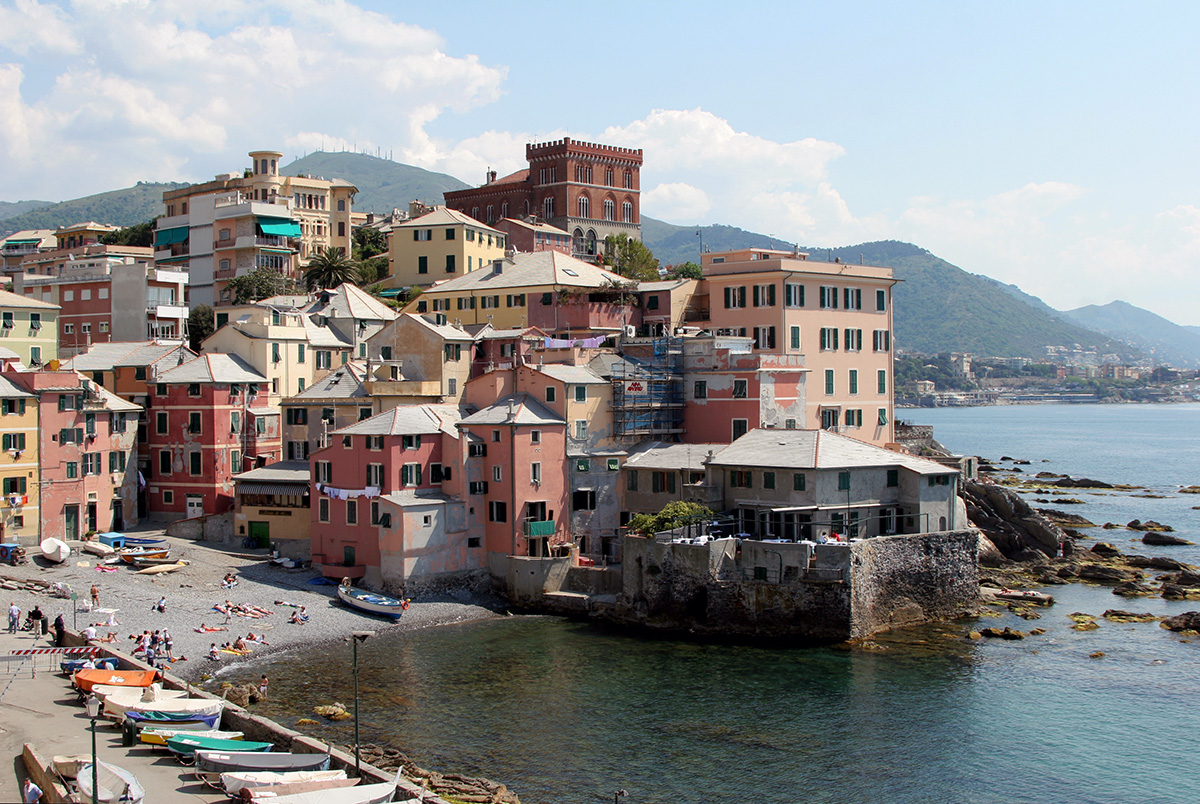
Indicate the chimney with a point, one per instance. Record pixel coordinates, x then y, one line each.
491 176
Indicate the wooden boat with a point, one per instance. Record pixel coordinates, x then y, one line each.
157 562
97 548
362 794
130 554
55 550
135 541
161 568
114 784
235 782
86 679
185 746
158 736
273 792
370 601
218 762
185 706
175 720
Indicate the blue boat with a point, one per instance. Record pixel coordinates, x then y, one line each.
172 717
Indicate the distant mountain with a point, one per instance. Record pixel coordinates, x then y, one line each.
10 209
1167 341
382 184
675 244
125 207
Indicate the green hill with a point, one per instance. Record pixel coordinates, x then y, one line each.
382 184
1167 341
125 207
11 209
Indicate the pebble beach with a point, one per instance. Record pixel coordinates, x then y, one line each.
192 592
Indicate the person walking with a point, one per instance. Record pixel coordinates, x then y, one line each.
262 687
95 596
168 645
14 617
60 629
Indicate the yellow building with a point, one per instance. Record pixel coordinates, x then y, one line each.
19 475
29 328
441 244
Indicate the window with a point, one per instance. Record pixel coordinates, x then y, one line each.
68 329
453 351
881 300
422 234
853 382
351 512
610 209
12 406
882 340
789 424
260 425
324 470
939 480
853 340
104 326
497 511
740 389
160 422
14 485
410 474
535 472
35 320
764 295
662 482
854 418
829 298
477 450
799 482
194 465
700 389
829 339
795 337
235 459
296 415
160 389
67 402
85 328
324 359
73 469
194 422
14 441
515 300
164 462
740 479
852 298
627 182
194 389
828 381
68 295
450 263
550 393
495 436
438 473
422 265
85 294
613 464
375 443
583 464
452 386
497 474
406 442
627 212
581 429
584 206
583 500
323 509
735 297
883 417
843 481
893 478
116 422
548 207
768 480
764 337
35 355
535 436
881 381
168 497
581 393
740 426
631 480
793 295
477 487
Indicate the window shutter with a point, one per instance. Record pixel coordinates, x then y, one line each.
771 335
834 332
824 337
742 296
757 295
770 295
795 337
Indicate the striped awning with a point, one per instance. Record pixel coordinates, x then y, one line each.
165 237
282 489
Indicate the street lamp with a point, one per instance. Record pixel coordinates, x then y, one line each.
356 637
93 712
617 796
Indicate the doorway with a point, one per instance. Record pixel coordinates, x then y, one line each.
195 505
118 516
260 534
71 521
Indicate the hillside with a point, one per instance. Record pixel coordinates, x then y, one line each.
382 184
675 244
1169 342
118 207
10 209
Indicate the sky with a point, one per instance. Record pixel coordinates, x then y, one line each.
1049 145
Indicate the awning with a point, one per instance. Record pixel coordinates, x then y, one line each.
165 237
280 227
390 293
21 242
282 489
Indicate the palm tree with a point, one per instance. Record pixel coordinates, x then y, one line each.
330 269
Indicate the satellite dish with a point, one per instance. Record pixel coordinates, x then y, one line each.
53 365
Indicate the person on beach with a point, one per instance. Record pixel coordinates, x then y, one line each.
14 617
150 657
36 617
89 633
95 596
262 687
213 653
111 637
258 640
60 629
240 644
30 792
299 617
168 645
229 582
161 605
228 612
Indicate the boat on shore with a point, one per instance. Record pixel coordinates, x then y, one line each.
97 548
131 554
55 550
86 679
211 764
192 707
142 562
148 719
113 784
371 602
234 783
362 794
159 736
185 746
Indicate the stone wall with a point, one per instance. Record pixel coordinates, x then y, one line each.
903 580
216 528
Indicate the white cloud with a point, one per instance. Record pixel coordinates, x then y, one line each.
677 201
32 26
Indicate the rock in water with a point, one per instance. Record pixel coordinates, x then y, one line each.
1188 621
1009 522
1103 574
1121 616
1149 525
1105 549
1163 539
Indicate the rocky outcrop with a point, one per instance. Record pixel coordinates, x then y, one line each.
1149 525
454 786
1163 539
1009 522
1156 562
1066 481
1188 621
1064 519
1107 574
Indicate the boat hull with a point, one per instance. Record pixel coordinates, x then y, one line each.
115 784
371 602
86 679
55 550
234 782
156 736
187 745
219 762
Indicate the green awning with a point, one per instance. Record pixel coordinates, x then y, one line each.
165 237
280 227
390 293
21 242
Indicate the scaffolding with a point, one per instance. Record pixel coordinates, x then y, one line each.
648 388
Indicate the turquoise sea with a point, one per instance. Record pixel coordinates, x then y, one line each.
570 712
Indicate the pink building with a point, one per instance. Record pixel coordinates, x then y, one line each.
531 234
86 444
211 420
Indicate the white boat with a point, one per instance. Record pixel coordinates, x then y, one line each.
113 784
273 792
234 782
371 601
118 700
97 548
116 709
362 794
68 766
55 550
160 736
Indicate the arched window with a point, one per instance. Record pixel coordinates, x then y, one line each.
591 241
610 210
475 213
629 180
608 177
548 207
627 212
491 215
583 207
504 210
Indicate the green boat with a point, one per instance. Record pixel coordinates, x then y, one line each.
184 747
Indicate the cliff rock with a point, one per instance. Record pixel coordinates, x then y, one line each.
1009 522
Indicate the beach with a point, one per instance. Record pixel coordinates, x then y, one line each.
192 592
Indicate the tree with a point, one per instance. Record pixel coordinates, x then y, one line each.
140 234
330 269
200 325
372 269
673 515
261 283
630 258
686 270
368 243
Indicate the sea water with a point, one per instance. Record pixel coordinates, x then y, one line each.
571 712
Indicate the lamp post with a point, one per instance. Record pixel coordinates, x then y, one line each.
618 795
93 711
355 638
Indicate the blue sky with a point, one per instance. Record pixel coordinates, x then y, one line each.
1048 145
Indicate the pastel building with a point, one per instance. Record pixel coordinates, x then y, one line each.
19 245
532 234
438 245
419 358
28 328
336 400
271 508
20 466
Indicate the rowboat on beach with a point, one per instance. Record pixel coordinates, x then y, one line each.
114 784
159 736
154 692
371 602
193 707
176 720
362 794
234 783
55 550
153 561
130 554
86 679
158 569
137 541
185 746
97 548
270 793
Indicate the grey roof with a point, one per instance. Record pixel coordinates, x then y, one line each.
442 216
817 449
602 364
515 409
660 455
344 382
350 301
666 284
283 302
278 472
323 336
8 354
114 402
541 268
212 368
570 374
408 420
410 497
106 356
10 390
530 333
447 332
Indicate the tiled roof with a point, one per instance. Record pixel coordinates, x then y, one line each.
666 284
284 302
511 178
407 420
212 368
10 390
278 472
570 374
515 409
659 455
105 356
323 336
448 332
410 497
443 216
351 301
344 382
10 299
544 228
817 449
523 270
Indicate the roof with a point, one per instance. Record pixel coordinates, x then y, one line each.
514 409
570 374
666 284
105 356
512 178
443 216
8 354
212 368
408 420
10 390
544 228
278 472
344 382
447 332
114 402
29 236
660 455
539 268
351 301
283 302
410 497
319 335
10 299
817 449
530 333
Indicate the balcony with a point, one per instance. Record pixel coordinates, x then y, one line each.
171 311
536 528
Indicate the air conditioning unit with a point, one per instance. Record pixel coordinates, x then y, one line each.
630 330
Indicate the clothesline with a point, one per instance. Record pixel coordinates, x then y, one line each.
348 494
567 343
